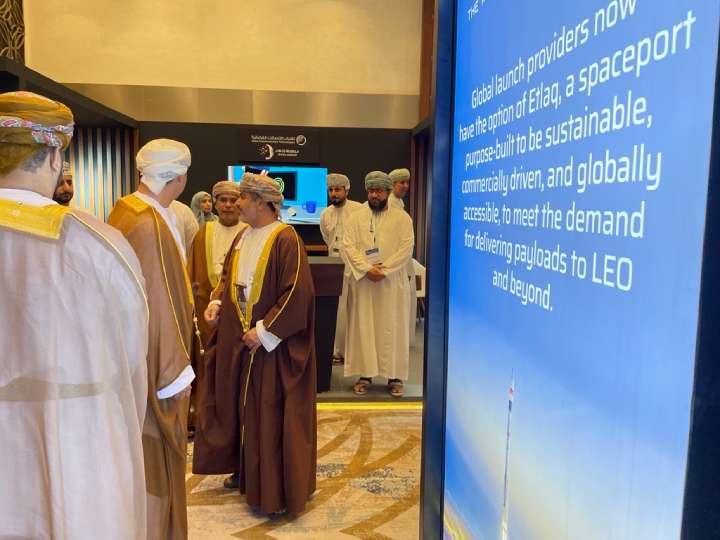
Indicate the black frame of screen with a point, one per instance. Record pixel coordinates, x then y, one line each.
701 505
437 233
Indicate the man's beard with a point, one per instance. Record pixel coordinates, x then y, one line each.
337 202
377 205
63 198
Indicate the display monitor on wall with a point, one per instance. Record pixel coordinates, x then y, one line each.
304 189
580 156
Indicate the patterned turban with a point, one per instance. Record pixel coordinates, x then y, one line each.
378 179
225 187
398 175
29 122
338 180
264 187
161 161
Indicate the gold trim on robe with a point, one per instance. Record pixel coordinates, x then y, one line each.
45 221
209 235
253 297
100 235
165 427
297 271
138 206
260 267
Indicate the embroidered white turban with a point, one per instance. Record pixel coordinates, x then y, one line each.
398 175
264 187
161 161
338 180
378 179
225 187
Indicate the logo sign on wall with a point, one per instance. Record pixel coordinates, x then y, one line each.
295 145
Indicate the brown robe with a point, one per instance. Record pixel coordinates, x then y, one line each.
171 313
203 282
256 412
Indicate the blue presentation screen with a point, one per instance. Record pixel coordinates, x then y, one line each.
580 164
304 189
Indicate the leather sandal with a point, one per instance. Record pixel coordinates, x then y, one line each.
279 514
232 481
395 388
361 386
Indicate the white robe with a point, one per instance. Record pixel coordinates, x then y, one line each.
186 222
332 221
251 244
222 239
395 202
73 382
377 330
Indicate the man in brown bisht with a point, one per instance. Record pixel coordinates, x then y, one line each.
256 404
205 264
74 335
146 220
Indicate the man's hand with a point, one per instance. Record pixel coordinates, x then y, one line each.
211 313
182 394
376 273
252 340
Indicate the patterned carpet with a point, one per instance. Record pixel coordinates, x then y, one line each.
368 482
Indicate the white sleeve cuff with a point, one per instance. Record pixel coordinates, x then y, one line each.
178 385
360 271
214 303
269 340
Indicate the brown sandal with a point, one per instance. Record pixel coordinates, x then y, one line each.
361 386
395 388
232 481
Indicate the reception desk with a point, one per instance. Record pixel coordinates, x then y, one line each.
327 273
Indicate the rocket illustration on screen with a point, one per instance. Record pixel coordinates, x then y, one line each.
506 487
